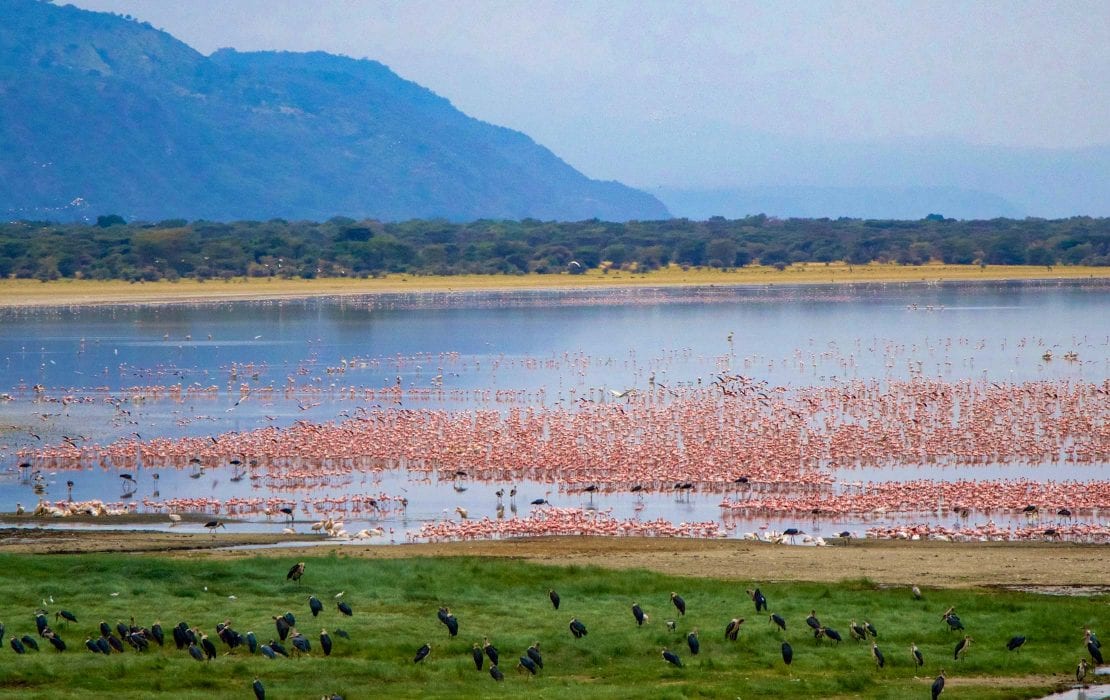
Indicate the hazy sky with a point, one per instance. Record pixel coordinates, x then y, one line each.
653 92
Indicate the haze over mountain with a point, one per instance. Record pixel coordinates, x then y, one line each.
839 108
102 114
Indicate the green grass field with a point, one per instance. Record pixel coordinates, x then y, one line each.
395 603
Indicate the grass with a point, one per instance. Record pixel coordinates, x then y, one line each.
395 602
24 292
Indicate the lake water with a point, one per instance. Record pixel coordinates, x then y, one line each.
98 374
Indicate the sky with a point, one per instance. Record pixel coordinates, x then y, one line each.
670 93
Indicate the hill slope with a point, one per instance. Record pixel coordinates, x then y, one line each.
104 114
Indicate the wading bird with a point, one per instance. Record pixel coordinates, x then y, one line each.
213 525
554 598
778 620
638 614
732 629
759 600
295 573
918 659
495 673
938 685
259 690
344 608
961 648
1081 671
534 654
315 605
478 656
877 654
678 603
422 653
787 653
672 658
693 643
812 621
325 642
1015 642
527 664
577 628
491 651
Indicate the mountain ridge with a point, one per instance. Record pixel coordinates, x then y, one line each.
150 128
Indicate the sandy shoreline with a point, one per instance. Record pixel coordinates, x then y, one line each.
1056 566
31 293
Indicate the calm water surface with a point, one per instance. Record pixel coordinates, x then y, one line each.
548 347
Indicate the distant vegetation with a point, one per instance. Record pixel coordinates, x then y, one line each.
114 249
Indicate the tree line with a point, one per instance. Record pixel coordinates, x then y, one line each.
114 249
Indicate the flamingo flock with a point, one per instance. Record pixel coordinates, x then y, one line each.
781 451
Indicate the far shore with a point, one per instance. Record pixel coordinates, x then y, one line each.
66 292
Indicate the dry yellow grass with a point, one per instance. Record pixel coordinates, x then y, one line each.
71 292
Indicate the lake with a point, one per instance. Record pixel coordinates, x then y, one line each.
83 376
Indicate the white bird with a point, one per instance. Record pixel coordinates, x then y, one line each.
339 595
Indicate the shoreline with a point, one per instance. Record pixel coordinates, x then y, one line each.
1050 568
32 293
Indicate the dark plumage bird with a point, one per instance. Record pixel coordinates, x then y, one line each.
678 603
208 646
787 653
40 622
345 609
295 572
252 642
105 630
17 646
870 629
953 621
938 686
534 654
29 642
812 620
577 629
301 643
195 652
267 651
831 634
259 690
290 618
104 647
279 648
778 620
961 648
115 643
452 623
877 654
759 600
638 614
918 659
693 643
857 631
315 605
554 598
56 642
342 633
282 626
91 646
478 656
732 629
495 673
1081 671
325 642
422 653
1015 642
213 525
180 639
158 635
528 665
65 615
491 651
1095 652
672 658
